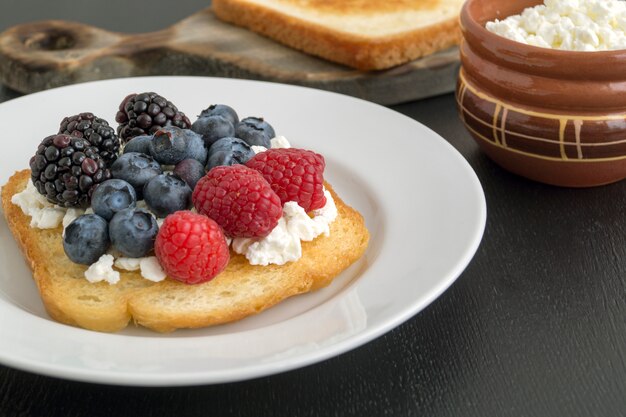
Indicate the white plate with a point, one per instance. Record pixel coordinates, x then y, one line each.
422 203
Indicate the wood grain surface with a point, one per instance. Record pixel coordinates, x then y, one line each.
535 326
46 54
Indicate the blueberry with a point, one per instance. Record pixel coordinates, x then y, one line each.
229 151
195 147
168 145
190 171
213 128
112 196
86 239
221 110
255 131
139 144
133 232
136 169
165 194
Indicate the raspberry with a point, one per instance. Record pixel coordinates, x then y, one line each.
238 199
191 247
294 174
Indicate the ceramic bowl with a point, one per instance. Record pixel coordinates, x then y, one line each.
557 117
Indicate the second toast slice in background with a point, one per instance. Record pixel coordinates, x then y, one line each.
363 34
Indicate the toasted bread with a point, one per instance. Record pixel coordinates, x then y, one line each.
239 291
363 34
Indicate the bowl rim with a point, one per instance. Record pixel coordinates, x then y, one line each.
470 25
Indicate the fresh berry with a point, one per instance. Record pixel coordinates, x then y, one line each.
145 113
191 248
112 196
168 145
213 128
294 174
139 144
190 171
239 199
229 151
96 130
132 232
136 169
221 110
66 168
195 147
165 194
255 131
86 239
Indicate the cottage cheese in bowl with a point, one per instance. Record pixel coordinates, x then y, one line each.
572 25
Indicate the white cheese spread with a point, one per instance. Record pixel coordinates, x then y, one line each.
43 214
280 142
127 264
573 25
276 143
279 247
149 267
102 270
70 215
283 244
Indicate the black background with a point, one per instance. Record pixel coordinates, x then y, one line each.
536 325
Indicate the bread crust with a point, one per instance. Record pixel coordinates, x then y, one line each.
360 52
239 291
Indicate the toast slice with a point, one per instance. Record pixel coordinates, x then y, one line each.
363 34
239 291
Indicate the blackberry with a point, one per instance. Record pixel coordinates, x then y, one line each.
65 169
96 130
145 113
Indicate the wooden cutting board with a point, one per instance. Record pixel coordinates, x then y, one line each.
42 55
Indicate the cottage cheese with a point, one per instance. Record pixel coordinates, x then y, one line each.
70 215
149 267
573 25
102 270
284 243
276 143
280 142
43 214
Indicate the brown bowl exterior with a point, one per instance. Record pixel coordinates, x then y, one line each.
557 117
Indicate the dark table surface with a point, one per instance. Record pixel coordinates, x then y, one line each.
535 326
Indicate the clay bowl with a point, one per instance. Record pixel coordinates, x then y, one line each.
557 117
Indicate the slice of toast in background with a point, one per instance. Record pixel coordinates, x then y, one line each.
239 291
363 34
